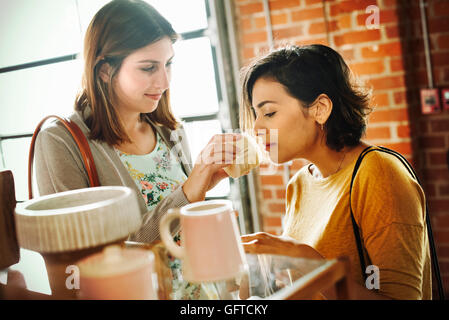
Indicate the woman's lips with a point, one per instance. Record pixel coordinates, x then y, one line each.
268 146
154 96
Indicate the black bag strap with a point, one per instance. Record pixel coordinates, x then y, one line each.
358 239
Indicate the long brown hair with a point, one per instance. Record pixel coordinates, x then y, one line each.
118 29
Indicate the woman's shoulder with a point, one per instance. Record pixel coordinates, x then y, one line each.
384 173
53 130
385 188
381 162
299 176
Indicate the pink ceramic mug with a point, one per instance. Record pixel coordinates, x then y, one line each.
211 249
118 274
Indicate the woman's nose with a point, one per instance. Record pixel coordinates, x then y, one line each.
257 125
163 80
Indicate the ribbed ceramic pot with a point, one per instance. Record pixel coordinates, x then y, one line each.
67 226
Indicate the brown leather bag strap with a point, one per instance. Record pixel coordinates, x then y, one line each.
80 140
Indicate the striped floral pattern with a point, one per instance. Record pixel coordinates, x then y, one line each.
157 174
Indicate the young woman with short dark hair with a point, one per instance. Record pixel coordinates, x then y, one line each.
309 96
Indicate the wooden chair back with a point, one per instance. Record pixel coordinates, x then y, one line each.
9 247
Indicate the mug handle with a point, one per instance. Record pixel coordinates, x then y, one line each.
166 236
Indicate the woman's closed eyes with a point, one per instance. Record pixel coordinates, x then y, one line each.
153 68
269 115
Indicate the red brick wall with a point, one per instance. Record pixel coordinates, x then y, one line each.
390 59
430 132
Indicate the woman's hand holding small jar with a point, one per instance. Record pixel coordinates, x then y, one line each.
208 169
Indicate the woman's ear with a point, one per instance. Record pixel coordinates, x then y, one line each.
323 108
105 72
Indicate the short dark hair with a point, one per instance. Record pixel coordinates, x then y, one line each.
306 72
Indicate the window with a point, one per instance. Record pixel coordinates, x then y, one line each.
40 74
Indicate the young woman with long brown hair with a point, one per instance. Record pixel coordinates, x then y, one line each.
124 111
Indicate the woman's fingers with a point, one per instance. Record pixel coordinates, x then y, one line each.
257 236
263 242
252 246
225 140
260 242
221 149
213 155
248 238
258 247
250 243
251 249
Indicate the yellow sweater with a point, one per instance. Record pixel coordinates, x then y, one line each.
388 206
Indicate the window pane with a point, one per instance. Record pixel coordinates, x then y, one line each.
87 10
220 190
199 133
37 30
27 95
193 88
15 156
184 15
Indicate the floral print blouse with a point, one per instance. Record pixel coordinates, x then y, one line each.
156 175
